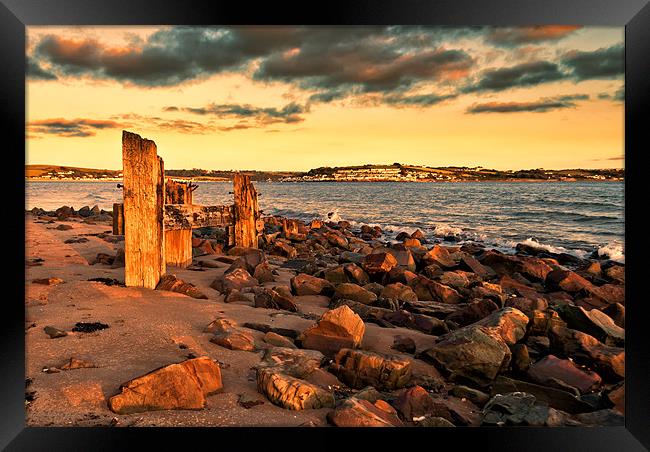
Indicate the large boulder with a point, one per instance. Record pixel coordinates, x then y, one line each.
303 284
349 291
362 413
177 386
414 402
235 280
552 368
566 280
594 322
474 353
379 263
337 328
358 369
509 323
428 290
439 256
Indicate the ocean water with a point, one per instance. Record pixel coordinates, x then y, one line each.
574 217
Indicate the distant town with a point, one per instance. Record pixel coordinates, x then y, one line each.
367 173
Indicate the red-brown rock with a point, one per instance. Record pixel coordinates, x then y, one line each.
338 328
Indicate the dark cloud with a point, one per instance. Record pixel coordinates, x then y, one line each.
290 113
618 96
70 127
540 106
522 75
518 36
36 72
603 63
419 100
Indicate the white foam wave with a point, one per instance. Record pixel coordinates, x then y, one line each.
613 251
442 230
553 249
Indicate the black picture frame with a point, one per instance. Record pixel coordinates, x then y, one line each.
633 14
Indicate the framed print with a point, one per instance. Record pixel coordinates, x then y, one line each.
376 214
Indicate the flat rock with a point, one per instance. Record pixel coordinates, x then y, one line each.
173 284
235 280
277 340
509 323
354 292
303 284
176 386
54 332
361 413
551 367
234 340
292 393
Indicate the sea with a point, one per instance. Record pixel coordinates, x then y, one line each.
579 218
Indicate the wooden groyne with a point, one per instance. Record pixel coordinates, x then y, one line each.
158 215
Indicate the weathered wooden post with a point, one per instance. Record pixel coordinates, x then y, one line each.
144 197
178 243
118 219
245 211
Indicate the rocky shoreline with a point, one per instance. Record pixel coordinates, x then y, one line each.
531 338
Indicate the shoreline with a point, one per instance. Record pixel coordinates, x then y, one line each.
32 179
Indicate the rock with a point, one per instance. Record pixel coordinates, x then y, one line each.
473 353
89 327
177 386
379 263
617 398
527 305
235 280
118 261
566 280
75 363
337 240
264 328
303 284
616 312
551 367
349 256
553 397
509 323
368 393
173 284
248 401
63 227
595 323
609 361
530 267
428 290
283 249
616 273
349 291
234 340
520 408
473 312
541 322
602 418
439 256
54 332
399 292
294 362
220 325
48 281
520 358
291 393
473 395
470 263
278 341
608 293
337 328
273 299
404 344
356 274
414 402
358 369
361 413
235 296
95 211
403 256
263 273
434 421
375 288
84 212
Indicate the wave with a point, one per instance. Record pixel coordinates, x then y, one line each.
552 249
614 251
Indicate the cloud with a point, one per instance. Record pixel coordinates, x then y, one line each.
521 75
70 127
36 72
418 100
540 106
617 96
290 113
603 63
517 36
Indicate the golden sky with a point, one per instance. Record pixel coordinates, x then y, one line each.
296 98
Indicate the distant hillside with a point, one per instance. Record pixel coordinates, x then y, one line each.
69 172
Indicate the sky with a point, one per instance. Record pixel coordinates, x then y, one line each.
296 98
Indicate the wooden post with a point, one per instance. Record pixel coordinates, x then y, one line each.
118 219
144 245
178 243
245 211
